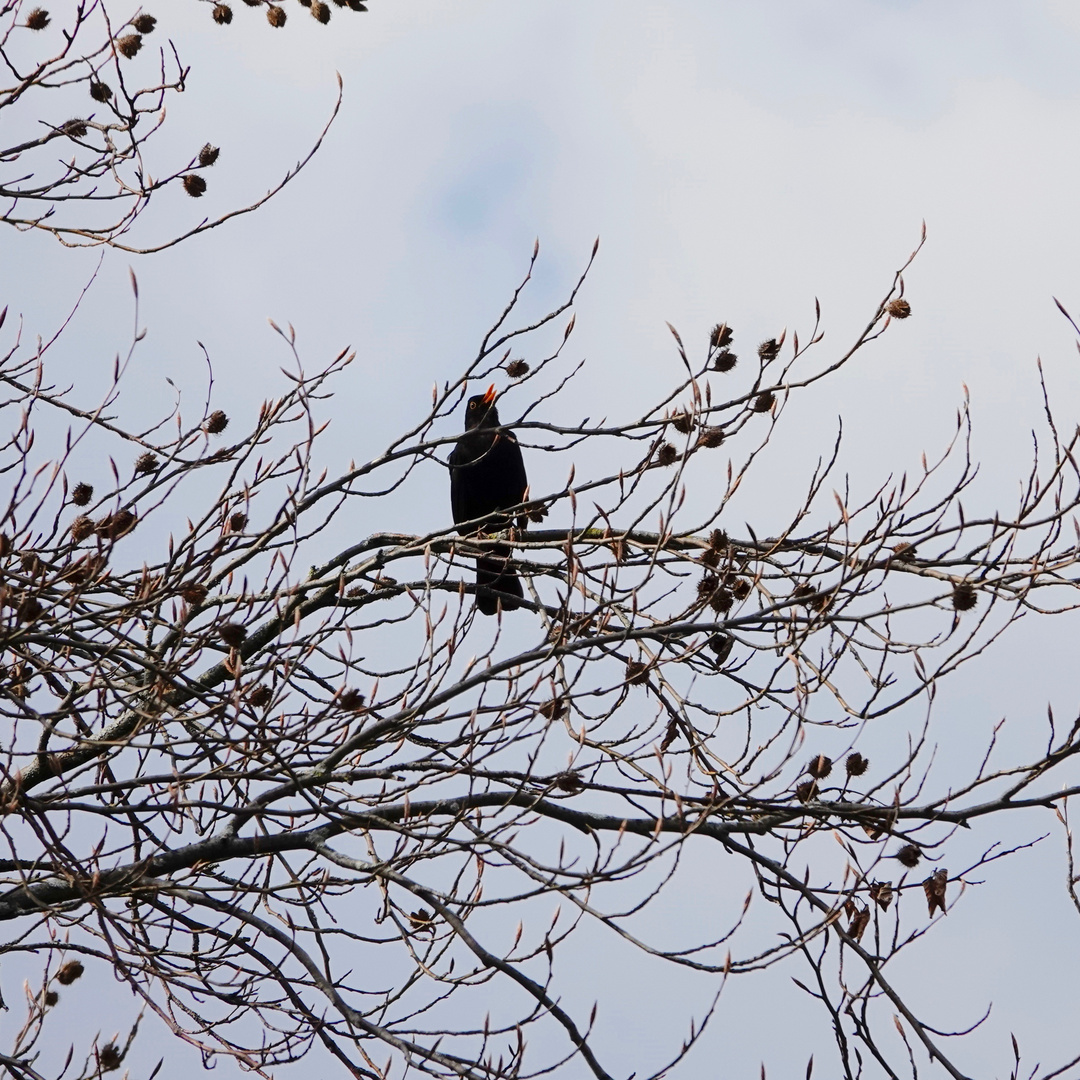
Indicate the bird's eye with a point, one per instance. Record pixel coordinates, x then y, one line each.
472 404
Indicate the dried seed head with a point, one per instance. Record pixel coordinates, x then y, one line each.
806 790
667 455
636 673
113 526
856 764
237 522
194 185
100 91
216 423
80 528
233 634
803 594
129 45
260 696
30 562
906 552
74 129
769 350
725 360
38 19
145 463
721 601
223 14
764 402
109 1057
208 155
711 437
422 921
710 557
517 368
570 782
555 709
682 422
51 997
741 588
898 309
81 494
721 644
193 594
707 586
69 972
964 597
720 336
820 767
29 610
320 11
934 887
275 15
909 855
718 539
351 701
145 24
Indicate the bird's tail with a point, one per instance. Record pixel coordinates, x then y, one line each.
496 580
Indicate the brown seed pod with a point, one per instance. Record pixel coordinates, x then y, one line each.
905 552
320 11
260 696
194 185
769 350
233 634
934 887
721 644
100 91
351 701
803 594
721 601
129 45
711 437
964 597
806 790
237 522
145 24
82 493
275 15
898 309
710 557
222 14
51 997
555 709
74 129
216 423
80 528
570 782
909 855
820 767
707 586
38 19
146 463
517 368
741 588
637 673
30 561
29 610
763 402
856 764
718 539
109 1057
725 360
682 422
69 972
113 526
208 155
720 336
667 454
193 594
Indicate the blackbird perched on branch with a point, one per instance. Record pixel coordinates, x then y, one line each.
487 475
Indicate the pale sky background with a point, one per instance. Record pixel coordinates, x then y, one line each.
737 159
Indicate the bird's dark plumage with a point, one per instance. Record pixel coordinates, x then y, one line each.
487 475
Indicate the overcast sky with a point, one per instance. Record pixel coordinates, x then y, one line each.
737 160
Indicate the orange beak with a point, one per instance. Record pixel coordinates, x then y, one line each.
489 397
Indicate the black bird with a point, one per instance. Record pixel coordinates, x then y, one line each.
487 475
